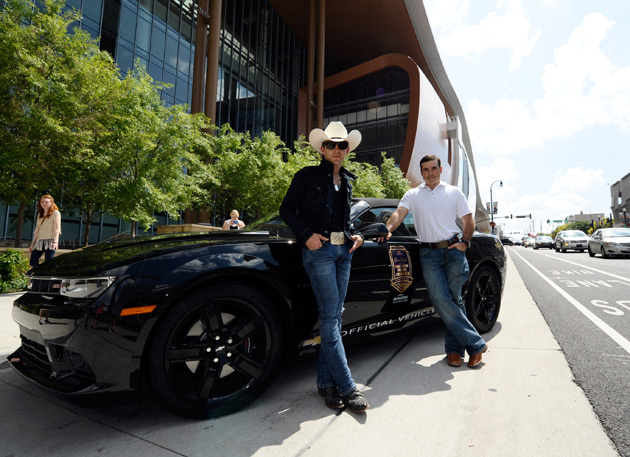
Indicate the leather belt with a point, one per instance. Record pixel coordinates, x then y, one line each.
440 244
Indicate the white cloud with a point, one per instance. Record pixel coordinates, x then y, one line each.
581 88
577 180
509 30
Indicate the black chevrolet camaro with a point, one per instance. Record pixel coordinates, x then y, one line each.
205 319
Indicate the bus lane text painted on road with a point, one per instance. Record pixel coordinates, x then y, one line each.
580 279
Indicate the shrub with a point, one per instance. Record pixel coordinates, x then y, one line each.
13 266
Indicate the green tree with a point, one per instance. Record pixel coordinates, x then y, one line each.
394 183
154 154
45 76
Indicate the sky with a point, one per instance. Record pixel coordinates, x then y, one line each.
545 88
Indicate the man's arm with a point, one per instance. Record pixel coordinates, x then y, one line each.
467 232
469 227
394 222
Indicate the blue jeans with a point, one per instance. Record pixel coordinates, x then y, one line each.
329 271
445 271
36 255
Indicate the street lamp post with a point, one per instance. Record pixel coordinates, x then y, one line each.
500 181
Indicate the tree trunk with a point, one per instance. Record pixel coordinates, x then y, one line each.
19 225
86 236
134 225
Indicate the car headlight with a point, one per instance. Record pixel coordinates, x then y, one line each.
85 287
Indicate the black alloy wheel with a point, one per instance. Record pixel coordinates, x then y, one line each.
215 351
483 299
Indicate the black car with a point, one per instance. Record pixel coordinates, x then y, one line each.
205 319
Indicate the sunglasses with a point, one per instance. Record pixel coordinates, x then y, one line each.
331 144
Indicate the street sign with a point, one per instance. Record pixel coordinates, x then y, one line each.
557 221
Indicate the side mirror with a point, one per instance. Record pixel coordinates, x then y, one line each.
374 230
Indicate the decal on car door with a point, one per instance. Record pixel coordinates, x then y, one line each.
401 268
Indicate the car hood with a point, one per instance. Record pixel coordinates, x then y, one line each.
111 255
616 239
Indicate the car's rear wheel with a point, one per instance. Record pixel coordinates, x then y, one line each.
215 351
483 299
590 252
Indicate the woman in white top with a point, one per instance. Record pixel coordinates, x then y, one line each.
47 230
233 223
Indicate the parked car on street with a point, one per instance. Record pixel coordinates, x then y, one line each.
543 241
507 241
610 242
205 319
575 240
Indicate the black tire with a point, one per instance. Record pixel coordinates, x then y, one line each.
604 253
590 253
215 351
483 299
557 248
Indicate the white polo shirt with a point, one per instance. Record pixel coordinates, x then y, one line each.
435 212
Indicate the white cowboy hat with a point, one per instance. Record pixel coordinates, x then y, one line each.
334 132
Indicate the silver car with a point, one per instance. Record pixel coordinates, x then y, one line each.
575 240
609 242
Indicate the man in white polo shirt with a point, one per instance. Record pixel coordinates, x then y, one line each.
436 206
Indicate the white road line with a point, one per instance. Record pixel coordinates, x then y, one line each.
584 266
607 329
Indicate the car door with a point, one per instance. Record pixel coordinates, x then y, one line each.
386 288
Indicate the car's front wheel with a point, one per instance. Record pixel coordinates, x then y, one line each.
604 253
483 299
590 252
215 351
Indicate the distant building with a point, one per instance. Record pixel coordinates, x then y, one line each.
620 201
590 218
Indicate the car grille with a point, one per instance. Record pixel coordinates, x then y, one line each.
48 286
67 362
35 353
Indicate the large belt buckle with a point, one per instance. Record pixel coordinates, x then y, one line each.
337 238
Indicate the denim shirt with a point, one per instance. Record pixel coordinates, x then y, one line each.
307 206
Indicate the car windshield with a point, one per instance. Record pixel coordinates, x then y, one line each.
544 238
616 232
573 234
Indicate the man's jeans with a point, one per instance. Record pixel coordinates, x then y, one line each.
445 271
329 270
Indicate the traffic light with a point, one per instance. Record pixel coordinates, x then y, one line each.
530 216
510 216
548 221
566 219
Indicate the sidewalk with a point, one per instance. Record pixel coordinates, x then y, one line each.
522 401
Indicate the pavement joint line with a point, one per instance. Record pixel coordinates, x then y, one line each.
88 418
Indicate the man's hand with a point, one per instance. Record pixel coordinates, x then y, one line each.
459 246
358 241
382 239
315 241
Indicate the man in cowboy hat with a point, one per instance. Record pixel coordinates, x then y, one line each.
317 209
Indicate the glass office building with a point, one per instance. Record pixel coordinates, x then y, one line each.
261 68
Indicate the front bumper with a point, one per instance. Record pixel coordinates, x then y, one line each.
64 348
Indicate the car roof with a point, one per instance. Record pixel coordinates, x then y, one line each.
377 202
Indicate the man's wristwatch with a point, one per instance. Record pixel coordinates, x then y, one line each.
467 243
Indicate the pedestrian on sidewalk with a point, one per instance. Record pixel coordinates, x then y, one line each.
317 209
436 207
47 230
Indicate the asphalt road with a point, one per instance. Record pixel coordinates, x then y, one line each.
521 402
586 303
